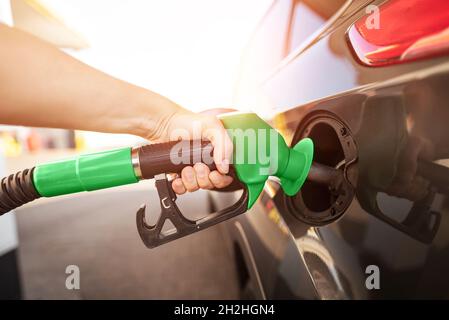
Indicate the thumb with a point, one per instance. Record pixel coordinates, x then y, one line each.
218 136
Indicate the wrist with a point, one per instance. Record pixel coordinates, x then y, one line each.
150 115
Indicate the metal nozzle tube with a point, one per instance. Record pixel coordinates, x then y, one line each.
322 174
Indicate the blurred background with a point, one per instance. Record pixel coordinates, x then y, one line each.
188 51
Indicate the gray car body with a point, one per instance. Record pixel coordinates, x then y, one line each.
281 256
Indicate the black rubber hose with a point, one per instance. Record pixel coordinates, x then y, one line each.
16 190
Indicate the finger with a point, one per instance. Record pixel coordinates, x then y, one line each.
202 176
221 142
178 186
218 180
189 179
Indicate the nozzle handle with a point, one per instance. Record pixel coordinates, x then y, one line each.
437 174
171 157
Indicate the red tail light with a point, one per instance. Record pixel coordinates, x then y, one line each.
408 30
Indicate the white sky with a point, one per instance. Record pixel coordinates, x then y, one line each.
188 51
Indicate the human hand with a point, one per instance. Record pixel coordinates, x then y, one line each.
188 125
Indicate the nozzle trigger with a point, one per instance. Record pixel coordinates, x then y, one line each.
153 235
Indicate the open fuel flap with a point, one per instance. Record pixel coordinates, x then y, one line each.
368 154
325 198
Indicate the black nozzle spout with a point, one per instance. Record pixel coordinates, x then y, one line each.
322 174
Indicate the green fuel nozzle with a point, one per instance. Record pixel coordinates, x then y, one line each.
259 152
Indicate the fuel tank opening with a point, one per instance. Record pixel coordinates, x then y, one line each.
325 198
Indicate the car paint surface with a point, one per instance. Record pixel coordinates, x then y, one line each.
292 259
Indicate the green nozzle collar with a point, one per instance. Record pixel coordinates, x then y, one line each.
85 173
298 166
291 165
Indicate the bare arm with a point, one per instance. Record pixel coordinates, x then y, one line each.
43 87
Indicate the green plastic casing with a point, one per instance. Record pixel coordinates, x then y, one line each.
260 151
85 173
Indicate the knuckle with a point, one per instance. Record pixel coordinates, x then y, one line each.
219 183
178 186
211 119
200 167
193 188
205 183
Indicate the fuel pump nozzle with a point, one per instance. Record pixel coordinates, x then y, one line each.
259 152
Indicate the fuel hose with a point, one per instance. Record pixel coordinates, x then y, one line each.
123 166
16 190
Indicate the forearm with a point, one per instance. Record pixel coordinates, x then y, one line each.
41 86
